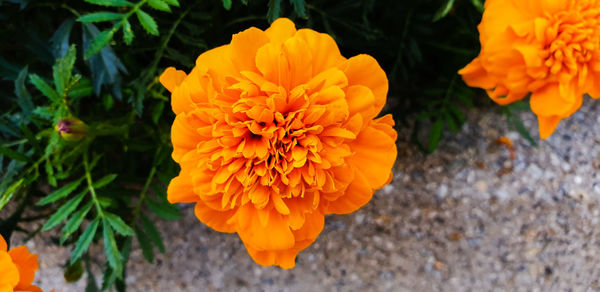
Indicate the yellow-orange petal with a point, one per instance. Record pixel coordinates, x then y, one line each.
30 288
27 264
547 125
549 102
364 70
218 64
358 193
3 245
184 135
9 272
273 63
280 30
214 219
323 49
244 46
171 78
386 125
374 155
475 75
181 189
252 232
286 258
300 61
361 100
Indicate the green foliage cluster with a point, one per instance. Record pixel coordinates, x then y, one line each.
98 60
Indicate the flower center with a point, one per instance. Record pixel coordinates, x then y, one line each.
572 39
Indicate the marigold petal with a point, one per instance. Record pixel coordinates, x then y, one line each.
361 100
323 49
549 102
253 233
358 193
183 136
217 220
30 288
475 75
181 189
374 155
244 46
594 87
547 125
171 78
386 125
9 271
364 70
27 264
273 63
300 61
218 64
280 30
285 259
3 245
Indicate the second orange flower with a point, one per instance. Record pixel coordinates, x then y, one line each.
548 48
275 130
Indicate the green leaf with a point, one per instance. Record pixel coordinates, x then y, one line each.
60 193
147 249
227 4
153 233
104 181
43 112
457 113
84 240
63 212
110 247
44 87
108 101
90 285
127 32
435 135
159 5
118 224
165 211
299 7
50 173
450 122
99 42
520 127
111 3
157 111
31 138
80 89
13 154
61 71
147 22
172 2
9 192
100 17
75 221
24 99
478 4
274 10
444 10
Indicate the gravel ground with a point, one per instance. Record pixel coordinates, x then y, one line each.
467 218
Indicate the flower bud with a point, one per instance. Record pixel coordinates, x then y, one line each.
71 129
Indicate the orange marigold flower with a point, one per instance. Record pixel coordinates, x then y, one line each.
275 130
17 269
548 48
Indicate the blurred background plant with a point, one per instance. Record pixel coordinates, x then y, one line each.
84 127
